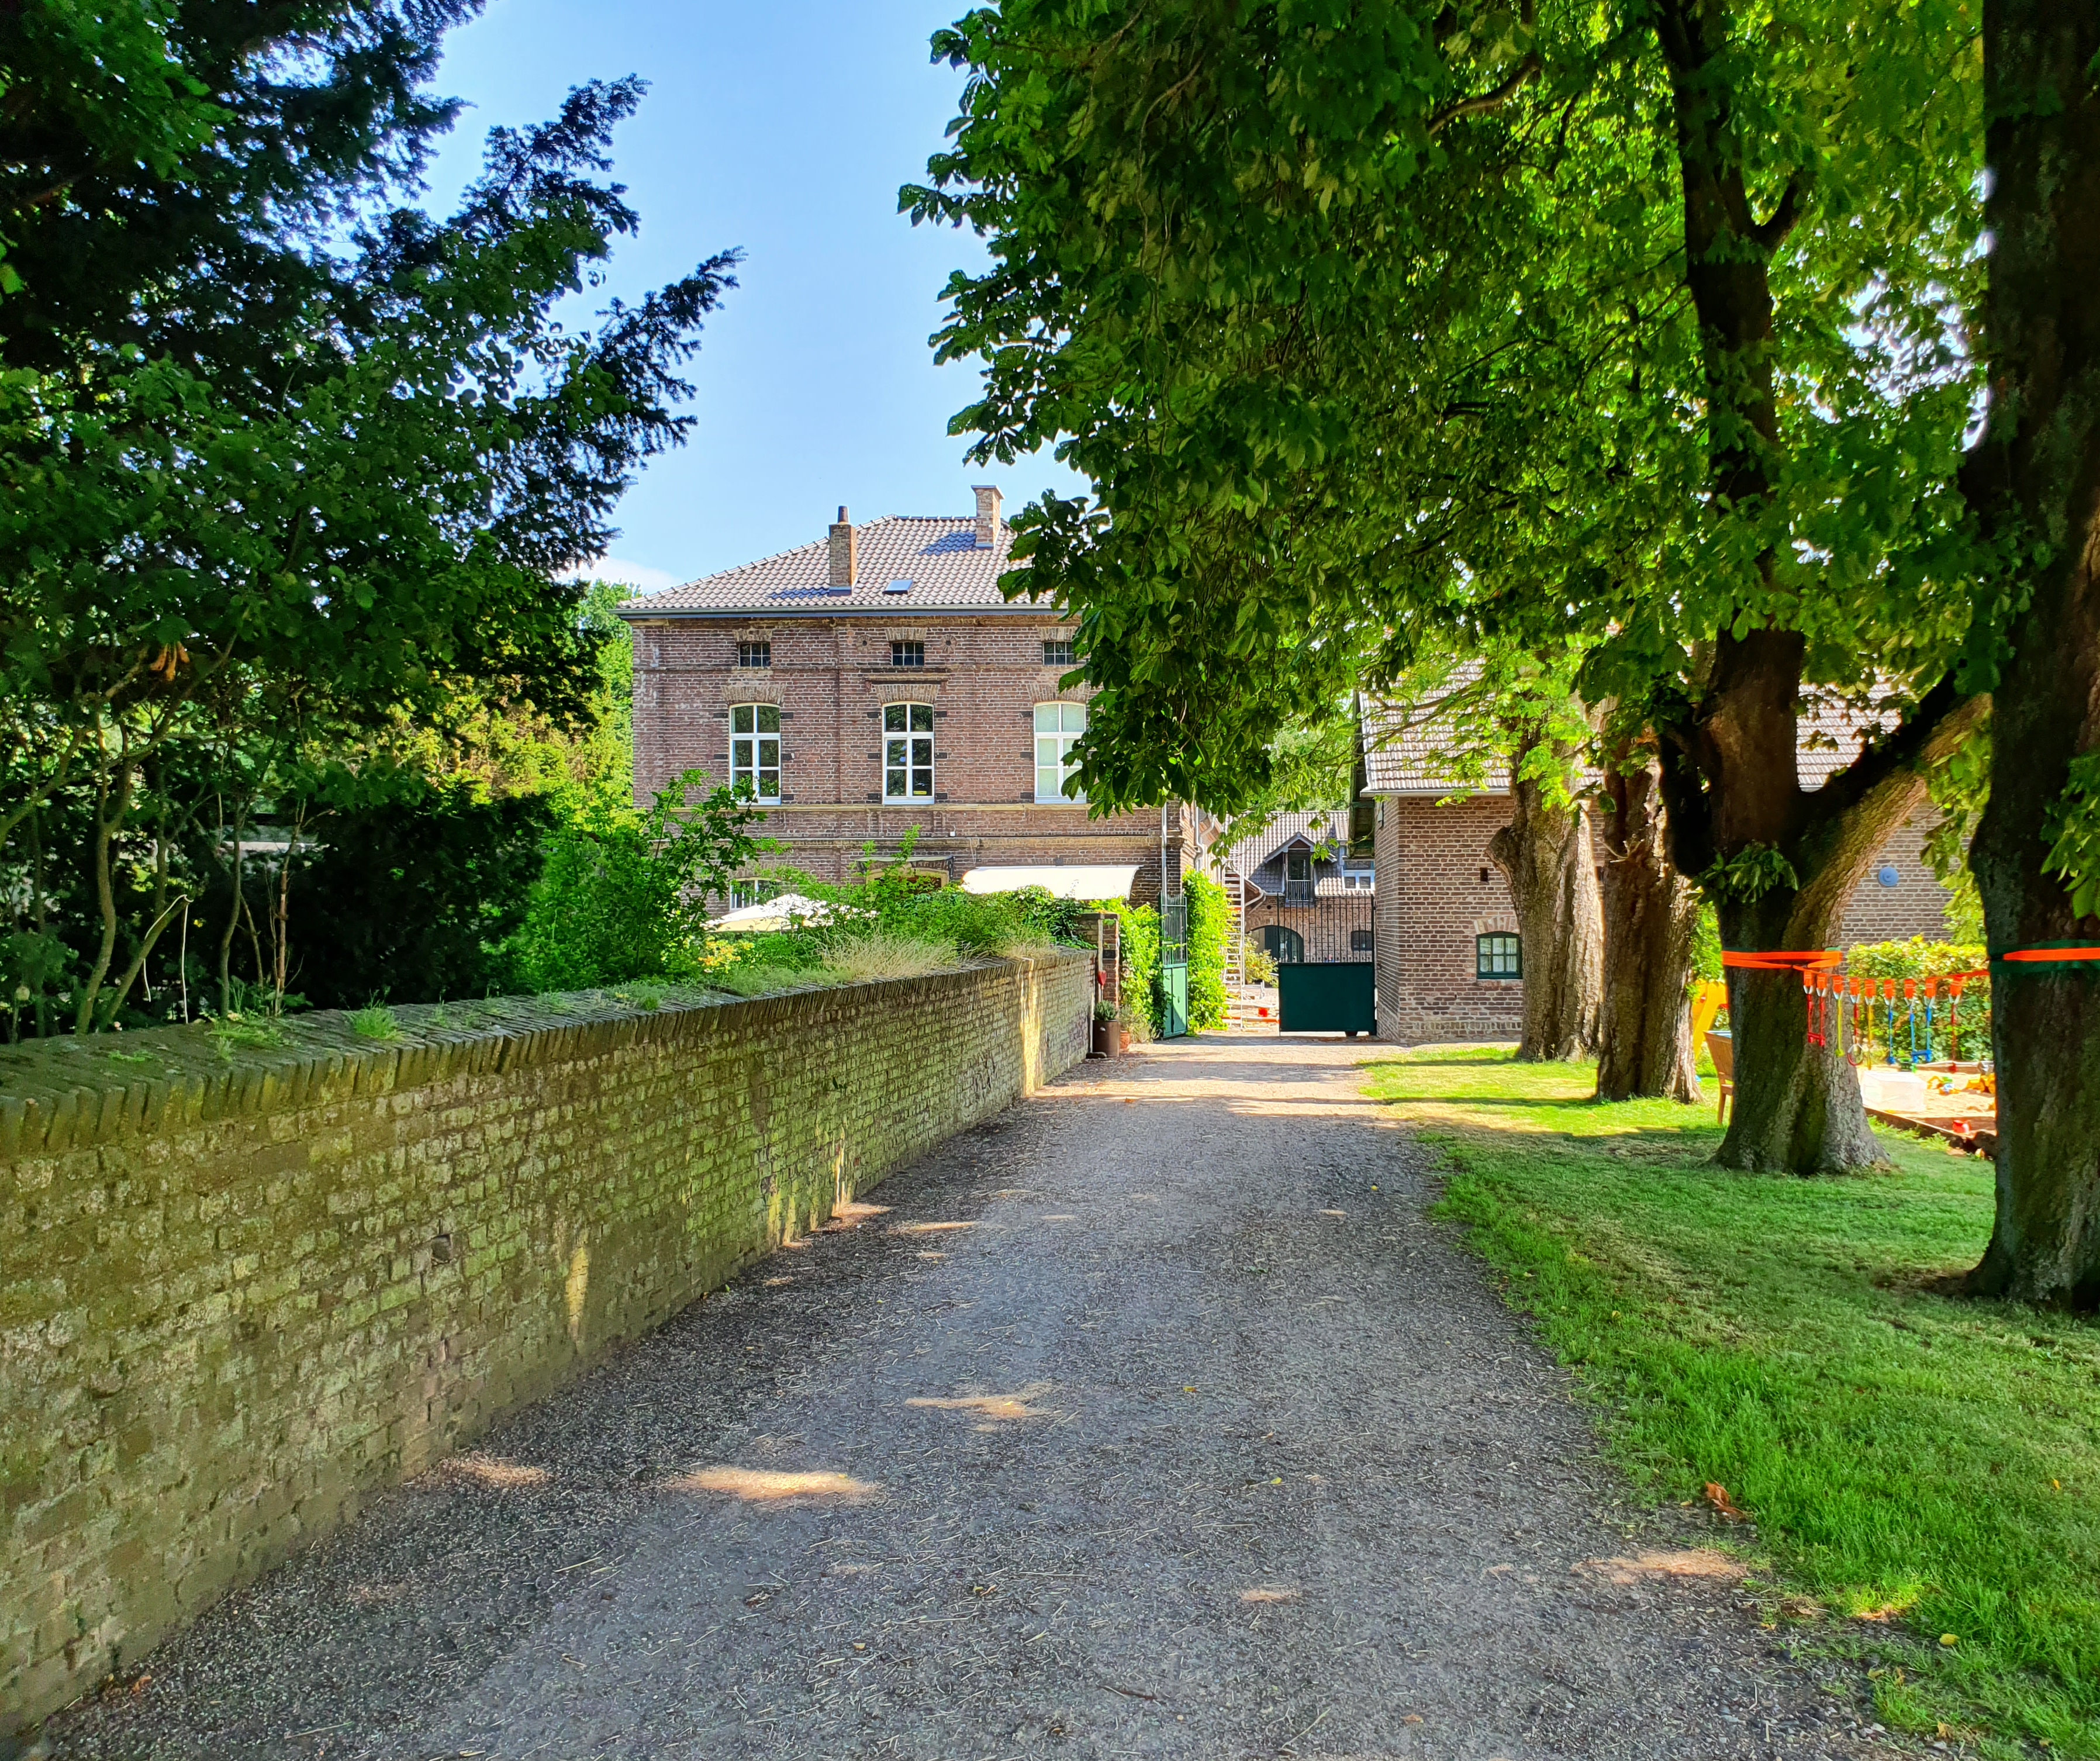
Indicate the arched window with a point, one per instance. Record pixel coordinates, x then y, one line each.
754 748
1057 726
1498 957
908 751
1284 945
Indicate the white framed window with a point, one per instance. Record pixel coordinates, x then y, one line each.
1056 652
1357 874
1058 726
911 654
754 748
908 751
751 655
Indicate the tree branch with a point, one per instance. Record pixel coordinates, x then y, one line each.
1786 216
1690 824
1527 70
1943 719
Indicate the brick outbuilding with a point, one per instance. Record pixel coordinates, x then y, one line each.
1450 953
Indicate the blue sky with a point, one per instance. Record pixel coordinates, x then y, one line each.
785 128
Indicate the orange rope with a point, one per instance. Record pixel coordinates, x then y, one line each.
1809 960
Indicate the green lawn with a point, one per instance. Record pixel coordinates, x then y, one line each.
1906 1454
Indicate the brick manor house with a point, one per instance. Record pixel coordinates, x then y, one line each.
877 681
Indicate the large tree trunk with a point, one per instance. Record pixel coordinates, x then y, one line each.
2036 476
1797 1106
1651 919
1545 853
1779 862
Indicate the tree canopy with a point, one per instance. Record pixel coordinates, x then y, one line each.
304 463
1638 327
1367 320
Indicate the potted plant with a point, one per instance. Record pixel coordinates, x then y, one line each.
1107 1030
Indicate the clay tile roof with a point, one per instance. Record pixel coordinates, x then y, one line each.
1407 745
1325 827
939 556
1831 735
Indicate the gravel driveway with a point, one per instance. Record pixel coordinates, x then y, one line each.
1151 1418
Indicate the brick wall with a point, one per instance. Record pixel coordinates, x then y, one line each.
1915 906
237 1294
830 678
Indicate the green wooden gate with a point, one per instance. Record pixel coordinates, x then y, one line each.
1337 998
1173 968
1323 944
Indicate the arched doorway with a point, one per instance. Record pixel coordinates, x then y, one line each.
1283 944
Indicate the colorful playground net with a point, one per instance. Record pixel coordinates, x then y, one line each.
1885 1003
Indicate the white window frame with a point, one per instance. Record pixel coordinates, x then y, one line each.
907 749
754 748
1359 874
1053 750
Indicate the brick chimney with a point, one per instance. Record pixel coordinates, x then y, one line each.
988 500
845 552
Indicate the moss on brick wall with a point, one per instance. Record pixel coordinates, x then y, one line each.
238 1293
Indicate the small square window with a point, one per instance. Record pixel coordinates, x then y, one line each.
907 654
1362 942
754 654
1498 956
1057 653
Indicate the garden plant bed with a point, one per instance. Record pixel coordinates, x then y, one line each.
1912 1464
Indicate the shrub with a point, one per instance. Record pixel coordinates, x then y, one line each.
1210 928
411 900
622 894
1140 965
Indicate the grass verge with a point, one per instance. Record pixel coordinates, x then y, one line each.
1917 1465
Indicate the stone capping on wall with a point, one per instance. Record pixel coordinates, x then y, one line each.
69 1093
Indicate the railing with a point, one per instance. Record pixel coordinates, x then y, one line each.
1174 932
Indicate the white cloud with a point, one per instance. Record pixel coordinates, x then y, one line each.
638 575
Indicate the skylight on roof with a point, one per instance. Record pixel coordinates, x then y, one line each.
901 586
